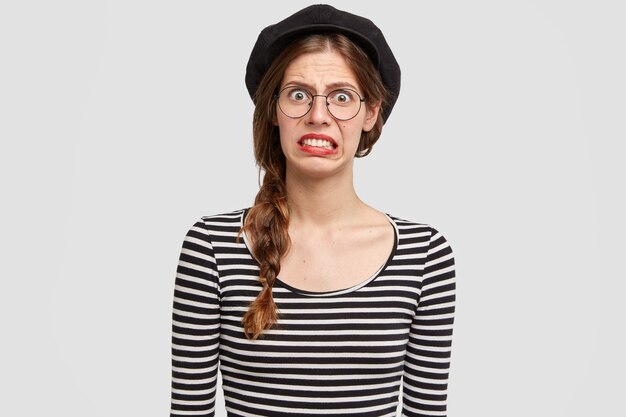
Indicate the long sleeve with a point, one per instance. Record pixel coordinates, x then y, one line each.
427 361
195 326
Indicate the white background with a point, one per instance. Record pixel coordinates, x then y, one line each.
123 122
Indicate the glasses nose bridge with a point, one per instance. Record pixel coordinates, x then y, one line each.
312 103
313 96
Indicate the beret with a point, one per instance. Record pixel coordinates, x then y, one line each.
321 18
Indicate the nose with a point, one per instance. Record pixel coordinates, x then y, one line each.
319 112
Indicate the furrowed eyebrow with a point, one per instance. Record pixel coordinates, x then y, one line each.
329 87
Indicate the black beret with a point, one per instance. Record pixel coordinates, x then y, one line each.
323 18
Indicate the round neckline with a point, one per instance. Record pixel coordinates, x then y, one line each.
340 291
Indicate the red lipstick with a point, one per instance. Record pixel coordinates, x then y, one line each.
317 144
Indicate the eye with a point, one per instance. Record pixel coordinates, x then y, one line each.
297 95
341 97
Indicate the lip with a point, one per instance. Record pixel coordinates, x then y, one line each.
315 150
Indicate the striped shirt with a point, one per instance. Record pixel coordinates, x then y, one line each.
343 353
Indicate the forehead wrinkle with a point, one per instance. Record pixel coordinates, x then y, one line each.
332 72
319 78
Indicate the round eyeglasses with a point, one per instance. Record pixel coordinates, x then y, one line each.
342 104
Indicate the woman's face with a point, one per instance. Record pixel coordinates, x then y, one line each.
318 145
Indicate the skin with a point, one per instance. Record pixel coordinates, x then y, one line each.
337 240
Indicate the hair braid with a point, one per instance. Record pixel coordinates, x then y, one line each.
267 223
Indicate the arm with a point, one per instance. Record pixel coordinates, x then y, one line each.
195 326
427 361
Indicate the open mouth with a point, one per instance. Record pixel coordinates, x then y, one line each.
318 143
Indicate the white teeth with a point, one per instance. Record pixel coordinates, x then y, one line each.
318 143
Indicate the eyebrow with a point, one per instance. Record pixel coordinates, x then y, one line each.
331 86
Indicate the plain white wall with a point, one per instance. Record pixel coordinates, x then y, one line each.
123 122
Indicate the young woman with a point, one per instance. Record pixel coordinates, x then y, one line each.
311 302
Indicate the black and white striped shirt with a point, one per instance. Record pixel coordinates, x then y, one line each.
343 353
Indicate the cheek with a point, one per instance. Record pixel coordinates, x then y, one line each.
282 121
352 131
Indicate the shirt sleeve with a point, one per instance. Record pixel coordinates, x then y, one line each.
427 360
195 326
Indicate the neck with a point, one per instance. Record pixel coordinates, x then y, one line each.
324 201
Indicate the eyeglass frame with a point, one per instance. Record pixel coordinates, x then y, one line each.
361 101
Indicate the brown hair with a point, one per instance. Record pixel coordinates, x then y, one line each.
267 221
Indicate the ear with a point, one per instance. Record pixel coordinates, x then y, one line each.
371 117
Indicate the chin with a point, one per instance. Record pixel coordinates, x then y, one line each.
319 168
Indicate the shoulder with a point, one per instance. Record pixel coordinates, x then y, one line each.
412 227
211 227
418 234
229 220
427 246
